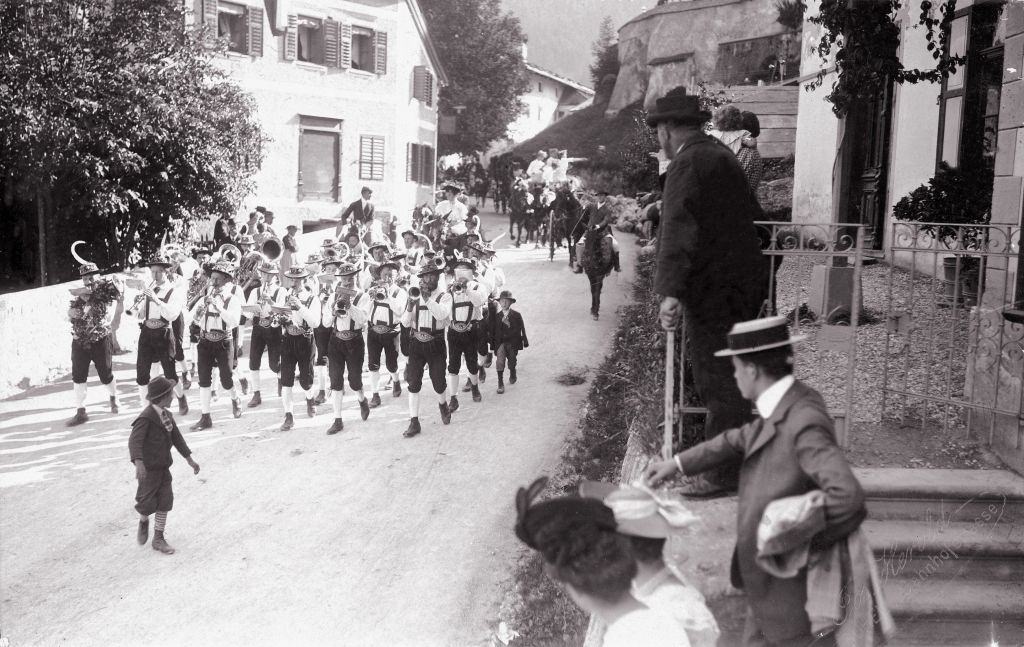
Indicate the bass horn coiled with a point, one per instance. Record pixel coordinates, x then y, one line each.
272 248
230 253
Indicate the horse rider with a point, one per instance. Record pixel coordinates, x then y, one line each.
388 302
345 315
304 314
158 305
535 171
217 313
426 316
599 222
469 302
266 328
91 315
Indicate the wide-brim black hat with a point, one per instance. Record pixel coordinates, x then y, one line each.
429 269
158 387
677 105
757 335
506 294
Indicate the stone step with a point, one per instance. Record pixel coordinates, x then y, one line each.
940 552
985 497
955 600
929 632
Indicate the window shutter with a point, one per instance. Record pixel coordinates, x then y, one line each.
380 52
291 38
429 98
418 82
345 46
414 158
428 165
331 32
408 162
210 14
254 37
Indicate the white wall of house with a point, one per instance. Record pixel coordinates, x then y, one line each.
541 104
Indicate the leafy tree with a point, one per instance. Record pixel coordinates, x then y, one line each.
481 49
606 53
114 121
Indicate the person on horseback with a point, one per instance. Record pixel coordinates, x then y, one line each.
600 252
599 221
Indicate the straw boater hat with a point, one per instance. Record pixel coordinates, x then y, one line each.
158 387
269 267
246 240
88 268
347 269
677 105
506 294
296 272
329 242
315 258
639 511
158 259
428 269
224 268
758 335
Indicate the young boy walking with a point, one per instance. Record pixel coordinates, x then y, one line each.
149 447
509 336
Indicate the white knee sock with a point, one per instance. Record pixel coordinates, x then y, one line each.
474 379
374 381
204 399
361 395
257 380
112 390
414 405
337 398
453 385
180 365
309 394
234 393
286 398
80 391
394 376
441 398
321 377
179 390
143 402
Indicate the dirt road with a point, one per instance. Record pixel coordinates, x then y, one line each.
364 538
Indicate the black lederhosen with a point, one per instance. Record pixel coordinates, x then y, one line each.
388 343
98 353
463 343
403 340
178 328
428 355
484 336
346 355
155 345
236 345
210 353
322 337
264 339
297 351
154 493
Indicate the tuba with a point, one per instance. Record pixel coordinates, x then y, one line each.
272 248
230 253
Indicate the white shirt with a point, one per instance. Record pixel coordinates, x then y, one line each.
665 593
769 400
645 628
165 307
536 170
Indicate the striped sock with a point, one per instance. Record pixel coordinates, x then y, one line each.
161 521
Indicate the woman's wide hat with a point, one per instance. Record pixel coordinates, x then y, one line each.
757 335
639 511
677 105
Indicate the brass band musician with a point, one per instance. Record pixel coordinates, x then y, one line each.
217 314
345 316
386 309
266 329
91 314
469 300
426 316
301 315
156 307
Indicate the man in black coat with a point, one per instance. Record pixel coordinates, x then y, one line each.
709 264
360 211
509 337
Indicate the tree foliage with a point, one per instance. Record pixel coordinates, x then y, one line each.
606 53
114 120
480 47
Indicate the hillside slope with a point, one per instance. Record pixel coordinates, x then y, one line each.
582 132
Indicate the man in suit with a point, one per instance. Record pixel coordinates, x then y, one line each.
222 230
788 450
360 211
509 337
709 262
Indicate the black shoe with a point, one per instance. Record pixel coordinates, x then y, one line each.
114 405
453 405
336 427
501 388
143 535
80 417
468 386
511 376
204 423
160 544
245 385
311 408
414 428
320 397
182 406
374 401
289 422
236 407
186 381
364 409
488 360
396 389
476 394
256 400
446 414
593 315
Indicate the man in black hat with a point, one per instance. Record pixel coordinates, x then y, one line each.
345 316
265 337
788 450
360 211
426 317
149 449
710 271
509 335
156 307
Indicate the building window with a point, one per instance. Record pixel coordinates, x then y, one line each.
371 158
540 88
421 164
232 26
969 103
310 36
362 49
319 159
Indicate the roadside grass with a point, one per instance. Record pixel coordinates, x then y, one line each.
534 606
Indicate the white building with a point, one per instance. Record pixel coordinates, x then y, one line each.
346 91
548 98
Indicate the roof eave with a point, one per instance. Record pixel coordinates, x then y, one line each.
561 79
428 42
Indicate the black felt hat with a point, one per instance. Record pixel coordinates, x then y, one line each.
677 105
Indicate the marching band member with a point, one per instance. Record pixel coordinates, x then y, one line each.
297 346
469 298
217 314
91 314
413 250
316 275
383 334
178 273
378 253
157 306
266 329
196 289
426 316
345 316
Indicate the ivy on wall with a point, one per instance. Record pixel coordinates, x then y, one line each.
863 39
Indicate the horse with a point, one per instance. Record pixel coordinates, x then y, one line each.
566 212
519 212
597 263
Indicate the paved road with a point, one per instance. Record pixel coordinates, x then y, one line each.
364 538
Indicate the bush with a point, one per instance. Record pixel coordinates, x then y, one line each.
954 197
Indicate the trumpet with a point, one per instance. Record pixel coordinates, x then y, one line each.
379 293
133 309
415 292
341 306
438 262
